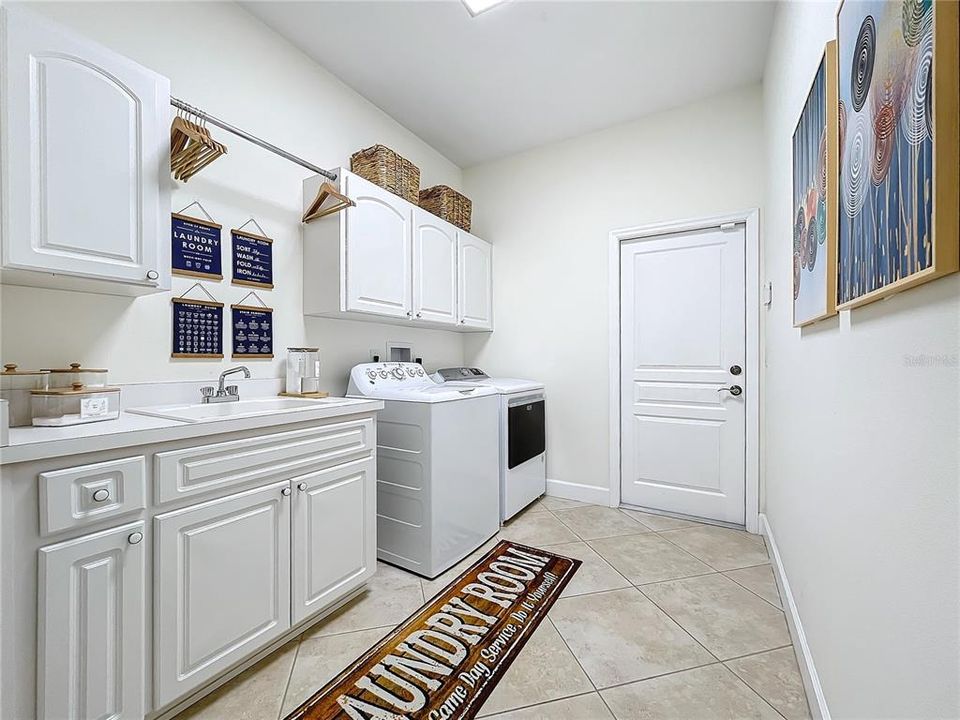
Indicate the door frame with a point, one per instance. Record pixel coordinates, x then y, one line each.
751 219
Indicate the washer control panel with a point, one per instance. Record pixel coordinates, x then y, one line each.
462 373
391 374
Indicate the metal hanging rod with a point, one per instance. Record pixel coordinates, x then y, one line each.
181 105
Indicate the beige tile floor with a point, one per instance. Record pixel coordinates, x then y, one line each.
665 619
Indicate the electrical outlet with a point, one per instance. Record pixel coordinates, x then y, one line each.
375 355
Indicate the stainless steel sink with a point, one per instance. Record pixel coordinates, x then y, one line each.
240 409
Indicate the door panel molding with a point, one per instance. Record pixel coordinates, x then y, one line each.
750 218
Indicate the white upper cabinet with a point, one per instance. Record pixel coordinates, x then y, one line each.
388 258
85 143
434 269
378 250
475 281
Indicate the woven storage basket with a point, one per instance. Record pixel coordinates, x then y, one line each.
382 166
448 204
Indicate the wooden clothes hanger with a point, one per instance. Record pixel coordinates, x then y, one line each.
191 148
315 210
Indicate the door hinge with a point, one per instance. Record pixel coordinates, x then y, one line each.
727 227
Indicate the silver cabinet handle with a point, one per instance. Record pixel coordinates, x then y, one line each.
134 538
409 314
301 487
733 390
285 492
101 495
152 275
419 314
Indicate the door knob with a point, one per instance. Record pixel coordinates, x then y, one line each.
733 390
735 369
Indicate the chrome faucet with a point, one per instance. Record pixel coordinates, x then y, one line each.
230 393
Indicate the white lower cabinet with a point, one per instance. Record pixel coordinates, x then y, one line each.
222 585
334 546
91 626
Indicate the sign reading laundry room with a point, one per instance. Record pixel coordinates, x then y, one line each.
252 330
445 660
197 327
195 249
252 257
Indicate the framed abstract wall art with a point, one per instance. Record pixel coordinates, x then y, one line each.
815 198
899 146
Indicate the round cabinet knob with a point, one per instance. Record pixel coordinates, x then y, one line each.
135 538
152 275
285 492
101 495
419 314
301 487
409 314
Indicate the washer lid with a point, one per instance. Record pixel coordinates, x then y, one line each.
466 376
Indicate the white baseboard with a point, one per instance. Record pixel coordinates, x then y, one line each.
576 491
811 681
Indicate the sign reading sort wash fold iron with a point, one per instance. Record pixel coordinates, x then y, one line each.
444 661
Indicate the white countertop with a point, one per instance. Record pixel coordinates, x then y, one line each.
37 443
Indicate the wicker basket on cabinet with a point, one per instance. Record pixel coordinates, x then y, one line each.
384 167
447 204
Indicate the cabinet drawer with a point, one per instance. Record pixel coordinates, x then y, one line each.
199 470
81 495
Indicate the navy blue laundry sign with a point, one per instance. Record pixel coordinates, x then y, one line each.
197 329
252 259
252 332
195 251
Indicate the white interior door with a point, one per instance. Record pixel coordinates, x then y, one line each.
682 340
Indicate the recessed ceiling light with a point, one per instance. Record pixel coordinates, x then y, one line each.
475 7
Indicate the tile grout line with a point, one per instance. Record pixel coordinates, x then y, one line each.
751 689
286 687
677 623
754 592
572 653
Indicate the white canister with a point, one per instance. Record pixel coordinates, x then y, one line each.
4 423
303 370
15 388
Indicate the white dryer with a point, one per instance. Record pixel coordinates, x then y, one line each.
522 429
437 466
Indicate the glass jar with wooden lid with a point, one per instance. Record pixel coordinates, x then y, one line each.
75 405
76 373
15 388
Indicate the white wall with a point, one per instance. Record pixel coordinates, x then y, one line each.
549 212
861 435
222 59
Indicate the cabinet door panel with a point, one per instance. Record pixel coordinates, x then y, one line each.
476 282
91 626
222 585
434 269
334 534
87 153
378 251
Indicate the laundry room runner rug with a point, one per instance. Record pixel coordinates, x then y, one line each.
443 661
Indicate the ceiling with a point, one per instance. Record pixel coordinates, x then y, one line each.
526 73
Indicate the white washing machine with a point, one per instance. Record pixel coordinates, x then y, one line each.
522 423
437 466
